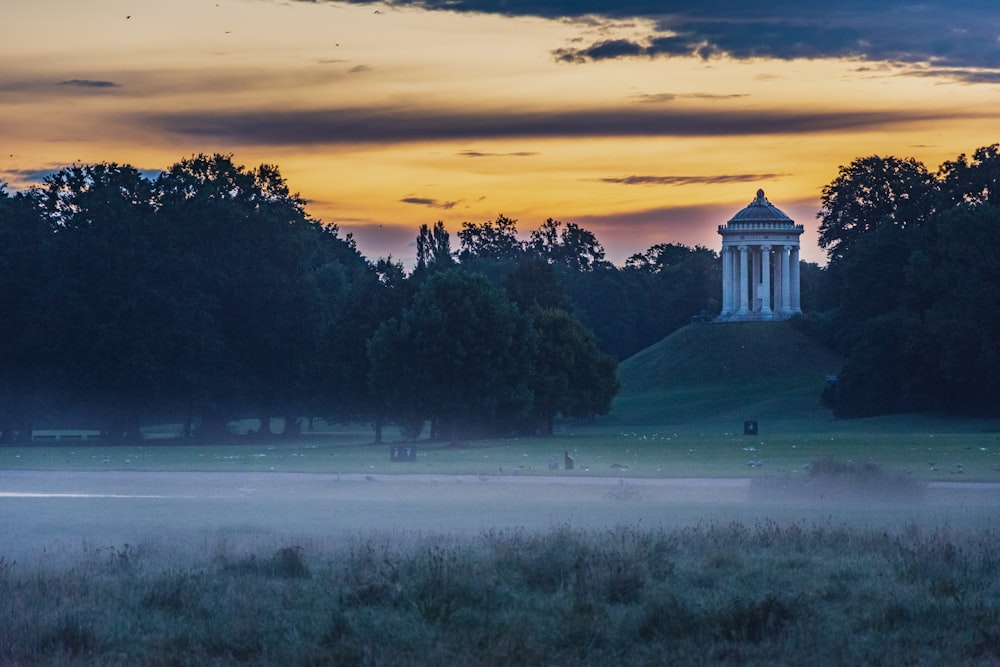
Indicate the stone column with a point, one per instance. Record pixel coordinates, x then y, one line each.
744 281
796 287
786 281
727 281
765 280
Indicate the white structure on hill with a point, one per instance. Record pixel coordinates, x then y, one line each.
760 264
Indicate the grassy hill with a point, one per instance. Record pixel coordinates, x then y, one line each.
726 372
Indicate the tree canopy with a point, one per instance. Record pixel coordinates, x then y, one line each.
911 285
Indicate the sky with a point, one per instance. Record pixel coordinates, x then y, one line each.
642 121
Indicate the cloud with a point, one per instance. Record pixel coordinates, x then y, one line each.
89 83
22 179
482 154
359 69
661 98
430 203
968 76
386 125
943 33
690 180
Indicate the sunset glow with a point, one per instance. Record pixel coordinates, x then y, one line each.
388 116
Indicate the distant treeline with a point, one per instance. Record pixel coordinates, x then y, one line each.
208 294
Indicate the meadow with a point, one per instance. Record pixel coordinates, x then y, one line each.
925 447
838 547
718 594
674 539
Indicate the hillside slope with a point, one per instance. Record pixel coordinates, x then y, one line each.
732 371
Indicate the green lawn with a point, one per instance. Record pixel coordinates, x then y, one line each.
960 450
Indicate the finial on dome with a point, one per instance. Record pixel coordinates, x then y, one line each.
760 194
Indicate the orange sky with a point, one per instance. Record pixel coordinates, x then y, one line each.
385 117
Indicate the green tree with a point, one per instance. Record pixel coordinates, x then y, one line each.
532 282
975 181
29 315
571 376
460 356
113 307
870 193
242 242
958 281
434 247
568 245
490 240
343 392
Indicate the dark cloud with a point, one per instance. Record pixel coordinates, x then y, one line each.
89 83
662 98
430 203
969 76
384 125
689 180
359 69
942 32
21 179
482 154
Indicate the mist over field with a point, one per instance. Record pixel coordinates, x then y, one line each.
61 512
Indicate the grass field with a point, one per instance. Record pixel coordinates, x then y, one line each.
675 538
926 448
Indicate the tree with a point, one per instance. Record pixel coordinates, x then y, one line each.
571 376
242 246
659 257
958 279
490 240
533 282
113 308
569 245
373 296
972 182
871 193
459 356
26 312
433 247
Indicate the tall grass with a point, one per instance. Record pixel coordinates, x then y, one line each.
710 594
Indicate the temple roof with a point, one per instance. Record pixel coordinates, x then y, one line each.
760 210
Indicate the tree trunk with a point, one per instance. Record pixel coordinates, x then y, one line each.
292 427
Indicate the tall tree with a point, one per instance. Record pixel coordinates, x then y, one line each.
434 247
114 308
29 314
960 329
569 245
373 296
975 181
241 237
870 193
459 356
571 376
495 240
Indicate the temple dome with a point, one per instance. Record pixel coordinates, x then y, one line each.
760 210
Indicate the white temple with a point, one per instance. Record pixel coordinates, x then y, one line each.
760 264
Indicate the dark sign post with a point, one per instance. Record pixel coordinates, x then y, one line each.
749 428
403 453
